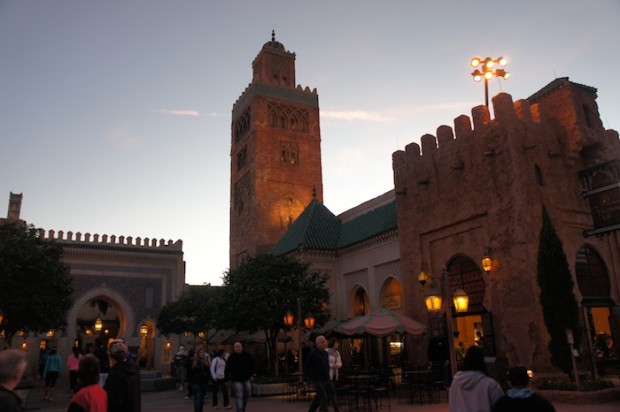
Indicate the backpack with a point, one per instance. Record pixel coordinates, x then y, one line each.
180 360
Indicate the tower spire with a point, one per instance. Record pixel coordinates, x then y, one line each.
273 35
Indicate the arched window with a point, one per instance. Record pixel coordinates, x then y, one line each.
465 274
592 277
538 174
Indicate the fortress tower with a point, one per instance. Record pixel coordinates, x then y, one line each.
275 154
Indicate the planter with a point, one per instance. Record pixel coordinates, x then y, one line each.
269 389
574 397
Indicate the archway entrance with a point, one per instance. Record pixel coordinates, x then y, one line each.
473 327
598 308
97 322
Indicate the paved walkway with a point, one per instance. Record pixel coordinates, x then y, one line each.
173 401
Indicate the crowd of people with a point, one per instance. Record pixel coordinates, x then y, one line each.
471 388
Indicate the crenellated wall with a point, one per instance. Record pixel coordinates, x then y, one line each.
483 183
78 237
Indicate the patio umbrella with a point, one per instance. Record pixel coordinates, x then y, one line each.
381 323
325 330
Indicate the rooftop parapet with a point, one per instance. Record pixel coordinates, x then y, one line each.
96 239
506 113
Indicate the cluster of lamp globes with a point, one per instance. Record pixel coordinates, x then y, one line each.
460 299
488 68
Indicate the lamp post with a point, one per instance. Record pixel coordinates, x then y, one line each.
487 69
436 304
289 320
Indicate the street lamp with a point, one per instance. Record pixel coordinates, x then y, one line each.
435 304
487 69
308 322
98 324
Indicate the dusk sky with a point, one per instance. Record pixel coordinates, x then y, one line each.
115 115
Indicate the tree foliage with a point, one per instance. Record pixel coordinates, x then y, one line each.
558 302
36 285
259 292
193 311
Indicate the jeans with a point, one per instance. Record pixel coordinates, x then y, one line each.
242 391
199 390
217 384
320 400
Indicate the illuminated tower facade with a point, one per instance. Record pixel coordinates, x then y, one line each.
275 154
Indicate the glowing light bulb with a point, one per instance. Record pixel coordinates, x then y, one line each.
475 62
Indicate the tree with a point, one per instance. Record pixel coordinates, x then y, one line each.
258 293
558 302
193 311
36 285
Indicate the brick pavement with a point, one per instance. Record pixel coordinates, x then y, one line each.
173 401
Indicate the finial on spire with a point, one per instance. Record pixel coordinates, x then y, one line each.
273 35
313 191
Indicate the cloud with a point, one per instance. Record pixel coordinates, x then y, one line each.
178 112
394 114
354 115
122 138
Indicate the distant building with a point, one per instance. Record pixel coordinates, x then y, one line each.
120 281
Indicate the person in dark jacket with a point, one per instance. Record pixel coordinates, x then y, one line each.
123 383
317 372
519 398
239 370
198 376
12 366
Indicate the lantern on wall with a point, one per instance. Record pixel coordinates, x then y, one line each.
460 300
144 330
98 324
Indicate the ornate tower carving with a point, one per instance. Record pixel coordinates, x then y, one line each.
275 154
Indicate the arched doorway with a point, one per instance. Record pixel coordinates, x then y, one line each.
360 302
593 282
359 354
97 322
473 327
147 345
392 298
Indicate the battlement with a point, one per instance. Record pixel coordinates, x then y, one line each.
566 111
87 238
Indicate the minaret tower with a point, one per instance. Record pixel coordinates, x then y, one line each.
275 154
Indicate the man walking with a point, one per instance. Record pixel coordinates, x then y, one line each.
12 367
123 383
218 369
240 369
317 372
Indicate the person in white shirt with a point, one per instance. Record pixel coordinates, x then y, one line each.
335 363
218 374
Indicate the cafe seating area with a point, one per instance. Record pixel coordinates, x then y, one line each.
377 389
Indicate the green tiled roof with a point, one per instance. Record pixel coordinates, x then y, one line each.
316 228
368 225
319 229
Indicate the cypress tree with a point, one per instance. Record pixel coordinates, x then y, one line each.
558 302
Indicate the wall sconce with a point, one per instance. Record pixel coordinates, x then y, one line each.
487 261
144 330
50 333
423 277
167 345
24 345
